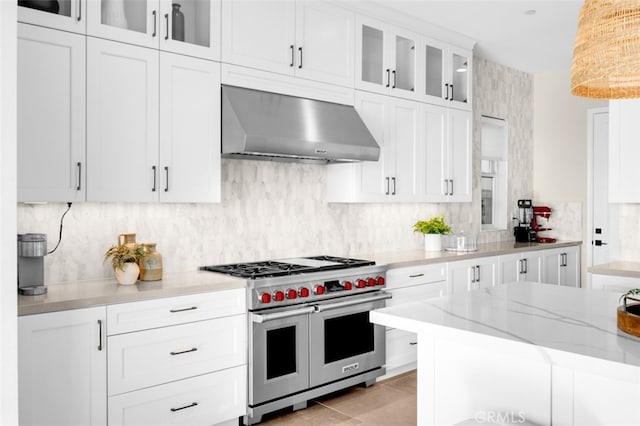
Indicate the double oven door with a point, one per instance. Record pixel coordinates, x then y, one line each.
297 348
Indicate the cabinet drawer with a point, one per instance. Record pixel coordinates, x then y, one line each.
415 275
127 317
402 348
203 400
152 357
418 292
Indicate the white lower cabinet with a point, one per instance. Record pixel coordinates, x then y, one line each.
203 400
562 266
521 267
614 283
408 285
62 369
473 274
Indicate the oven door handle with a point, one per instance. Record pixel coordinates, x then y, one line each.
327 307
260 318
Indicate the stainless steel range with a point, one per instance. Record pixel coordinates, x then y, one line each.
309 330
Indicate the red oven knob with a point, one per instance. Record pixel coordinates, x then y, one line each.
292 294
304 292
347 285
371 282
380 280
265 298
319 289
278 296
361 284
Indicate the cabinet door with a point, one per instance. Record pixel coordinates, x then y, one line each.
486 272
510 268
570 267
460 155
259 34
461 277
325 43
404 138
434 154
624 151
552 261
122 122
189 129
404 64
137 22
51 115
373 72
374 110
460 78
63 368
532 267
191 27
435 63
71 16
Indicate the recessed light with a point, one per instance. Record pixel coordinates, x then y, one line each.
530 12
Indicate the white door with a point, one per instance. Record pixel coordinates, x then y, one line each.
189 129
570 267
259 34
434 54
71 16
551 264
532 267
461 277
460 72
191 27
510 268
374 110
137 22
624 150
122 122
404 138
51 115
62 371
486 272
404 64
325 43
373 72
434 153
460 155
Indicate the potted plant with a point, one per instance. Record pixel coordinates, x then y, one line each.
124 259
433 229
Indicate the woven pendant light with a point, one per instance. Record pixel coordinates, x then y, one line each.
606 54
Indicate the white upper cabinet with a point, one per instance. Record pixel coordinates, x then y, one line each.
624 151
190 27
387 60
67 15
448 71
311 40
447 154
51 115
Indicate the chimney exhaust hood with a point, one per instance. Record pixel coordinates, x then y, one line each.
269 126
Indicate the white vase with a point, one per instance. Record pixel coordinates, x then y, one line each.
129 274
432 242
113 13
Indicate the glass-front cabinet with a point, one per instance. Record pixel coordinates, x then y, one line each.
189 27
67 15
447 75
386 59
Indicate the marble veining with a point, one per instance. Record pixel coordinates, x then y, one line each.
571 320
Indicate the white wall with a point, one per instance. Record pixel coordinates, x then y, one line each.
8 323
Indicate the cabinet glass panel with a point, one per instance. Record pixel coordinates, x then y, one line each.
460 70
405 63
128 15
190 22
372 54
434 78
57 7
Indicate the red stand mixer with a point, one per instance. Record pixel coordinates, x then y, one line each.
540 223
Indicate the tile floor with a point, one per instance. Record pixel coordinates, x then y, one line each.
391 402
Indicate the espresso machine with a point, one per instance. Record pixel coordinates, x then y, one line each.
32 249
525 232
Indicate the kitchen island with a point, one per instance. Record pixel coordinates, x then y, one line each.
518 352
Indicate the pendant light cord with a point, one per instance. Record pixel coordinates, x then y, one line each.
60 236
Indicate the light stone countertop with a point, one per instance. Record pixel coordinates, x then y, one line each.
419 257
565 320
620 269
85 294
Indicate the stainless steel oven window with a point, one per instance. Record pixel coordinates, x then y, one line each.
347 336
281 352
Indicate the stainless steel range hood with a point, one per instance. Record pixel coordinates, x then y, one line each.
270 126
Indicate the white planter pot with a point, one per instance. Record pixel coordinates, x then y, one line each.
129 275
432 242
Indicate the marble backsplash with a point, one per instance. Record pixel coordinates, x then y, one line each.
273 210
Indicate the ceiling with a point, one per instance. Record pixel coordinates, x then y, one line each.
504 33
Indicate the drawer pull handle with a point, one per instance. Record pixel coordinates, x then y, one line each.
413 343
173 311
184 352
193 404
416 275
